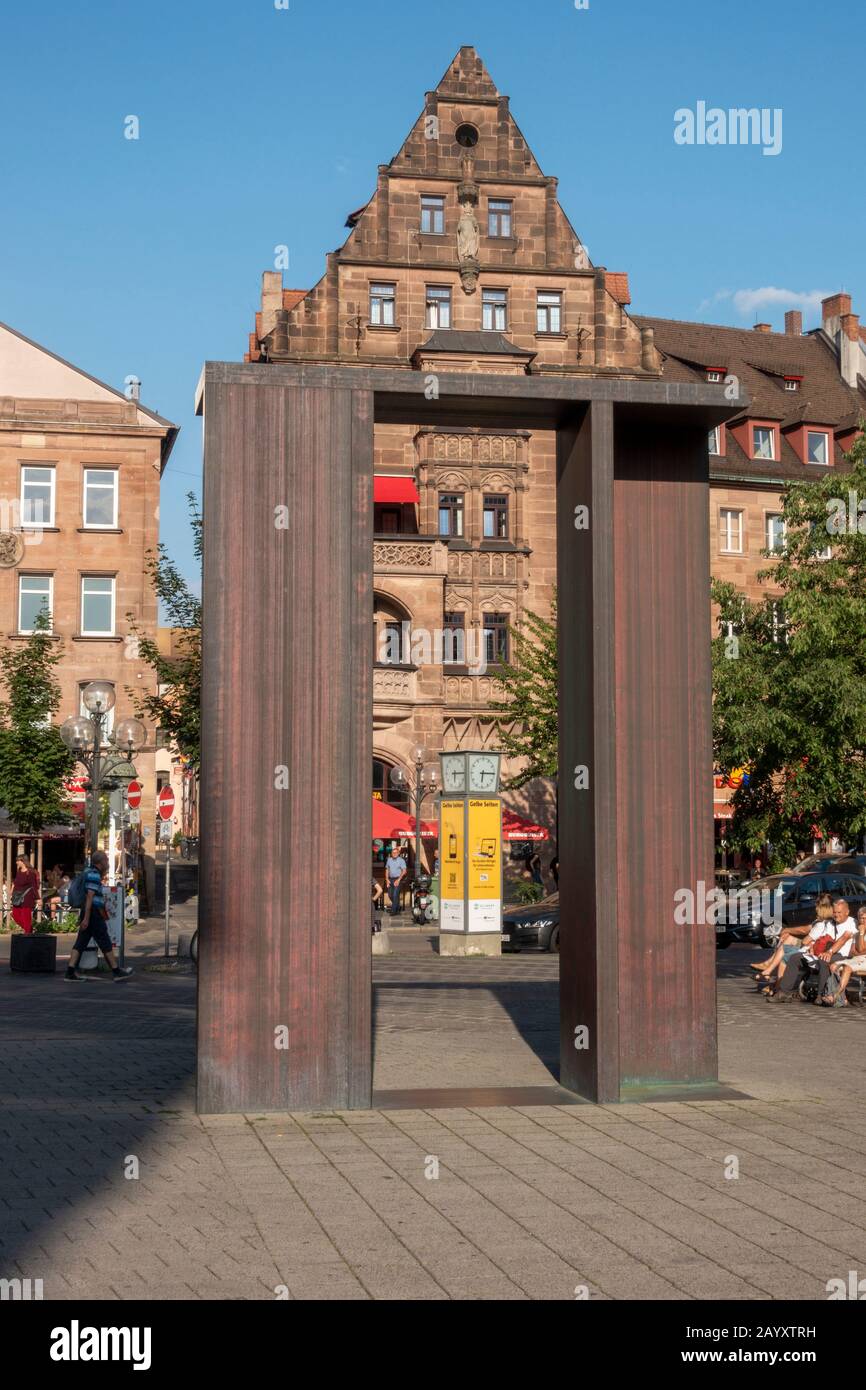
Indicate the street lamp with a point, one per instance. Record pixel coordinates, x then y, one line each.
84 735
426 784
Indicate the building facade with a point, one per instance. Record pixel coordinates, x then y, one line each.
462 260
807 394
80 469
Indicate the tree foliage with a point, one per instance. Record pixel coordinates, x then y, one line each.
527 714
34 760
789 674
175 704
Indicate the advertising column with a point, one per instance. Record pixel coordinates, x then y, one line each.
470 855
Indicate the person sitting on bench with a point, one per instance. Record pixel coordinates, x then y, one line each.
854 965
833 939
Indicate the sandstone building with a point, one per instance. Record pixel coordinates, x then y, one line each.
80 468
462 260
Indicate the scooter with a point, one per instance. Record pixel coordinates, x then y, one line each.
422 901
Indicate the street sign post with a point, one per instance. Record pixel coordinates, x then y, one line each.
165 806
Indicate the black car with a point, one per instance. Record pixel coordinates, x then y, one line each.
532 925
799 897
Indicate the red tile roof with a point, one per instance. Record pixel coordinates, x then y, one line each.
616 284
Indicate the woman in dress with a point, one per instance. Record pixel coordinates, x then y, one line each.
25 894
791 941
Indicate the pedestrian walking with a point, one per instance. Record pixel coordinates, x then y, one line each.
25 894
554 869
93 920
533 864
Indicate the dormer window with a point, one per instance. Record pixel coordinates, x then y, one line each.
715 375
792 383
763 442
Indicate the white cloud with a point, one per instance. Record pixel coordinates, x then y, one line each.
749 302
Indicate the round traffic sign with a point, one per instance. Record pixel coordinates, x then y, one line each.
133 795
165 803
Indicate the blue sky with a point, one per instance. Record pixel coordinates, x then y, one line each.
261 126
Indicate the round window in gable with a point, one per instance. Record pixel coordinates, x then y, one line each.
467 136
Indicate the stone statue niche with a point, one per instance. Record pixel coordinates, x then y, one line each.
468 233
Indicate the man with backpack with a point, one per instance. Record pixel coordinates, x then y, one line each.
86 892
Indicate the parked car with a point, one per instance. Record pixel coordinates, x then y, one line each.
817 863
532 925
800 893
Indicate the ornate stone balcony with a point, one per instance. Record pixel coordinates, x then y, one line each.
409 555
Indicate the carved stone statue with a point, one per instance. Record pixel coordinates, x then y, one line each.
468 236
468 233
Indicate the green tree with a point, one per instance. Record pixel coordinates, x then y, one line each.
175 705
34 760
789 673
527 714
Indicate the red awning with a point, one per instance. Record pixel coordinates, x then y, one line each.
389 822
386 489
514 827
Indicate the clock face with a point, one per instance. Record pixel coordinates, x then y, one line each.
483 773
454 774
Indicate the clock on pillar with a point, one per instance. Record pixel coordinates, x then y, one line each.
470 772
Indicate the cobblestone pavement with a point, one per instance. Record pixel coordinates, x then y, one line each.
530 1202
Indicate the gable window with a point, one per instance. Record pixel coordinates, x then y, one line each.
730 530
97 605
37 495
548 312
100 498
494 310
817 446
495 637
499 217
432 215
451 513
438 306
762 442
454 640
35 596
714 440
383 300
775 533
496 517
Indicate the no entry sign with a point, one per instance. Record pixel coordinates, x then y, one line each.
165 803
133 795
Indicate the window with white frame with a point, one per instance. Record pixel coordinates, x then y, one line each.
763 445
494 310
97 605
37 495
775 532
714 440
499 211
817 446
548 311
100 498
432 214
438 306
792 383
730 530
383 302
35 596
714 376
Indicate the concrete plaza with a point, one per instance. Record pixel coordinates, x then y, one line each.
431 1199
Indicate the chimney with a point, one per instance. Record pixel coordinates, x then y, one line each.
272 299
794 323
763 328
843 329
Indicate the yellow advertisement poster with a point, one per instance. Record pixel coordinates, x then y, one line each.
452 851
484 864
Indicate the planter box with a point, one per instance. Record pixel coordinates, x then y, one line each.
33 954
